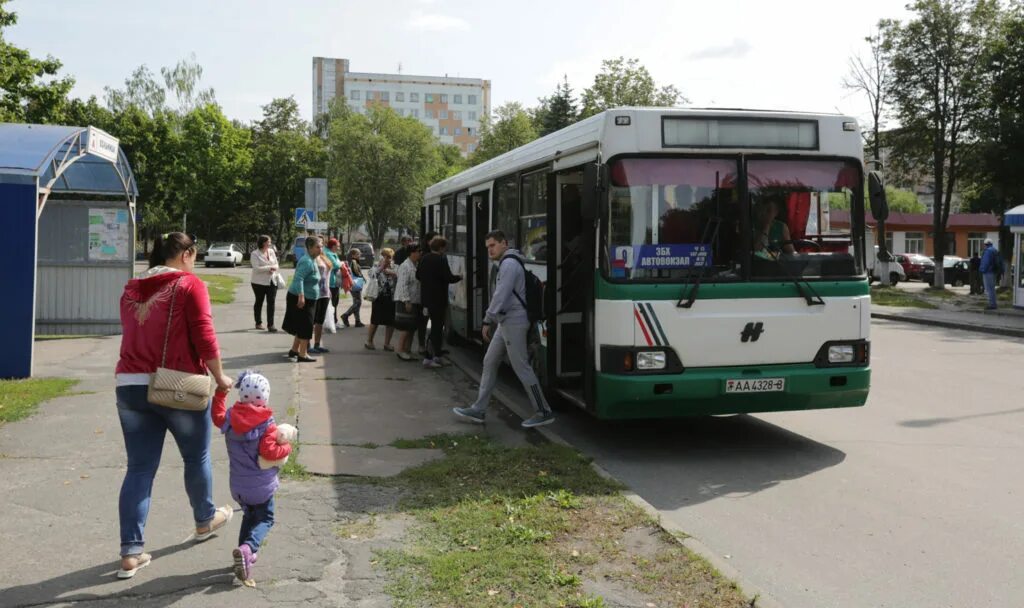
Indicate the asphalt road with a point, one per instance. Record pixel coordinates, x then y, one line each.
911 501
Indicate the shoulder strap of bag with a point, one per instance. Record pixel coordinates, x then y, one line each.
170 314
521 299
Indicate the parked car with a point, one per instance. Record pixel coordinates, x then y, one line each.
223 254
958 274
366 255
917 266
297 251
896 272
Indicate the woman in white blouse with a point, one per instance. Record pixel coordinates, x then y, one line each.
264 266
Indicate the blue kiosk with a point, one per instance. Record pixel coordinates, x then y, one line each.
73 253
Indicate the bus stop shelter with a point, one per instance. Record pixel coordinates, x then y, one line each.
72 254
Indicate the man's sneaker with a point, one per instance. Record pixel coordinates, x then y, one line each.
538 419
470 414
432 363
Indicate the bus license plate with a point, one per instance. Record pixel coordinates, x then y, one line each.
755 385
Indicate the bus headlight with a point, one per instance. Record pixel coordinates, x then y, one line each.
840 353
650 360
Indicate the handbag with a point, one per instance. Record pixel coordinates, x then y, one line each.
372 288
404 320
177 389
278 280
358 284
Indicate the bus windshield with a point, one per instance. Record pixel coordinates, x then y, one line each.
669 218
679 218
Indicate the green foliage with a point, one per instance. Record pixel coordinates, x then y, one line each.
625 82
900 200
213 170
556 112
29 89
221 287
19 398
509 128
379 164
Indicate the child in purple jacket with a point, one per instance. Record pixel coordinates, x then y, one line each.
251 433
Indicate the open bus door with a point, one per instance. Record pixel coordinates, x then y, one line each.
479 273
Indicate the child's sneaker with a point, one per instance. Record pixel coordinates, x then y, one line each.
244 560
432 363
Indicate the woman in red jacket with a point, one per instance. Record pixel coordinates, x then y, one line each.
191 347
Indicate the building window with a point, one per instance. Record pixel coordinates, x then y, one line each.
414 97
353 95
415 113
533 222
472 147
471 100
472 115
914 242
444 130
457 99
428 113
444 98
428 97
444 114
399 96
385 96
458 130
975 243
401 111
950 242
469 130
456 115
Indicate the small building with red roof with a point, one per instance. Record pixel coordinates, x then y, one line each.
913 233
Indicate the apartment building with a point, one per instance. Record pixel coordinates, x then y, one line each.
452 107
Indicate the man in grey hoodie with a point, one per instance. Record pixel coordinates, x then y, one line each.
507 318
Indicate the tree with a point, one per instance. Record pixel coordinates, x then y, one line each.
212 175
141 90
871 76
284 154
900 200
556 112
379 165
939 87
29 91
183 80
624 82
509 128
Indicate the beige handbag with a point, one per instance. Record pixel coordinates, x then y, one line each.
176 389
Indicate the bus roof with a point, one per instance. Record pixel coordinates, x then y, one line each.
601 137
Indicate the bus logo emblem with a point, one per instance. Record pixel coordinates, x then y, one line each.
752 332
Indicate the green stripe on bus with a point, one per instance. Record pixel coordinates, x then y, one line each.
606 290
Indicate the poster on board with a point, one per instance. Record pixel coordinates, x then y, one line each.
108 235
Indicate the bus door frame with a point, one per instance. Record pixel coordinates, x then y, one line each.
479 271
556 271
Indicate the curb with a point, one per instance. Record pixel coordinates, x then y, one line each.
985 329
759 598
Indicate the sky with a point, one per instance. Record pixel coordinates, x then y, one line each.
775 54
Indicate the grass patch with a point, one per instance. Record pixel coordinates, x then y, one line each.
528 526
19 398
891 296
941 293
293 469
363 528
221 287
430 442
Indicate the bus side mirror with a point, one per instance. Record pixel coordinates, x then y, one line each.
595 183
876 195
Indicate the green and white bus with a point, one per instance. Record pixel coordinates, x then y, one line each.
688 258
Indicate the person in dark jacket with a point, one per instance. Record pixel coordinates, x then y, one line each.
421 325
357 294
975 275
991 267
435 276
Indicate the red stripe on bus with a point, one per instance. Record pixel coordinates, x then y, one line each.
643 328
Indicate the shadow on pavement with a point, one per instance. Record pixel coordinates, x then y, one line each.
92 584
923 423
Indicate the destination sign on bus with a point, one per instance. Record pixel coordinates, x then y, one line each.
663 257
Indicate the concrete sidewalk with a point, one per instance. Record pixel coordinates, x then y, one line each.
63 469
1002 322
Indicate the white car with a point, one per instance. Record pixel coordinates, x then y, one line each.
226 254
896 272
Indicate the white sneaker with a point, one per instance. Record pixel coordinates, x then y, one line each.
432 363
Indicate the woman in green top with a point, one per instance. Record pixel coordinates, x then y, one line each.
332 254
771 235
301 302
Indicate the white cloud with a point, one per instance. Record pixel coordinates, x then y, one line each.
431 22
736 49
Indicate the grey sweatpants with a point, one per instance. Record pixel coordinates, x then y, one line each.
509 342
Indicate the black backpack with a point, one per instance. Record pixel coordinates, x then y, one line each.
534 302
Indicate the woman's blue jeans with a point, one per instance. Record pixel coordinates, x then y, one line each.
145 426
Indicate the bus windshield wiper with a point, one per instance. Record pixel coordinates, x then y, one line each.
810 300
717 223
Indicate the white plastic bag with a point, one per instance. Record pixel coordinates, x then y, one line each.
329 319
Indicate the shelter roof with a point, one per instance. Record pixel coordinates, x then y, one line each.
59 157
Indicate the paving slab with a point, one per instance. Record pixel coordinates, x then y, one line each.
364 462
